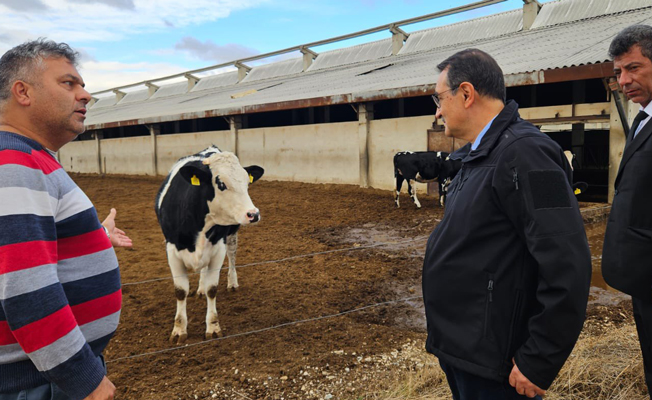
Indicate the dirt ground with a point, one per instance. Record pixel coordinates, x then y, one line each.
288 330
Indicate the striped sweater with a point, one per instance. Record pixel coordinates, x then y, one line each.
60 294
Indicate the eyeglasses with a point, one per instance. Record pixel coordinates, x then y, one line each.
437 99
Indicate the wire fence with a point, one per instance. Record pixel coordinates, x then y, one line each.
297 322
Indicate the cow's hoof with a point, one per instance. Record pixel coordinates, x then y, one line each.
201 294
232 288
214 335
179 337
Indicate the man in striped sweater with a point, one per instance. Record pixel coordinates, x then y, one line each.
60 293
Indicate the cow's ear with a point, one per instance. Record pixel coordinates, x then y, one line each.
196 176
255 172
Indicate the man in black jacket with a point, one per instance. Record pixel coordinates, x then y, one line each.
627 251
507 271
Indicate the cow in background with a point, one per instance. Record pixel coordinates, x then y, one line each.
578 187
200 206
423 167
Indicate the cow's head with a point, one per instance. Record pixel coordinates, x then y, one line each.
231 204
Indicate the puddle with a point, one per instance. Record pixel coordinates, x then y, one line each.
387 239
401 241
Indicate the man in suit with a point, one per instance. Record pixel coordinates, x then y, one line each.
627 252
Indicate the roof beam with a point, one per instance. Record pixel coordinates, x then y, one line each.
399 36
365 32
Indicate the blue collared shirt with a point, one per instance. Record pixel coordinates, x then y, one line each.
476 143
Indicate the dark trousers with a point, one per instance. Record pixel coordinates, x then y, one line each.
643 318
466 386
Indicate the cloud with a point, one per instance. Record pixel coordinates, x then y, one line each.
101 75
120 4
24 5
110 20
210 51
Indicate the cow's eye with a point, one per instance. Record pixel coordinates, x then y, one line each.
220 184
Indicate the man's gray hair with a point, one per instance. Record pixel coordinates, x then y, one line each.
23 61
640 35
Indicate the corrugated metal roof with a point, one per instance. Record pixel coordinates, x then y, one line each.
548 47
171 90
135 96
272 70
102 102
468 31
563 11
353 54
215 81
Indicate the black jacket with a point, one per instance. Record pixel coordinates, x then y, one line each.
627 249
507 271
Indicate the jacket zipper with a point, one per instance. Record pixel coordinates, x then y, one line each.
513 324
490 299
515 178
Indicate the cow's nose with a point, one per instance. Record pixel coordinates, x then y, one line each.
253 215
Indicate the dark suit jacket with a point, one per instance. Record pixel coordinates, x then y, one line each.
627 251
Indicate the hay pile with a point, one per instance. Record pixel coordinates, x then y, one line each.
606 364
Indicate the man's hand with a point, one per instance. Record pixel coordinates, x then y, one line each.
118 237
105 391
522 384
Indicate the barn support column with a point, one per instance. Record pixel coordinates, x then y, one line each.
616 146
154 131
235 123
365 116
99 135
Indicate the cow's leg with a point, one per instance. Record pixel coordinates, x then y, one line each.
231 248
181 287
399 184
210 281
412 189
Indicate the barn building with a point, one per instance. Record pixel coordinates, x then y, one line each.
339 116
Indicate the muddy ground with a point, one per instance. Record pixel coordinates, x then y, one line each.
299 327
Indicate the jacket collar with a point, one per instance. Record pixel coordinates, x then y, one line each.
631 147
504 119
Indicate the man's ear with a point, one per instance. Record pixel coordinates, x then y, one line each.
21 91
468 91
196 176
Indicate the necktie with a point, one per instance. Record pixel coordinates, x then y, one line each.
637 121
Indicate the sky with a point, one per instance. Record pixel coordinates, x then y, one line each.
128 41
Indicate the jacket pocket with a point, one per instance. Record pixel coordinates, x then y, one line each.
488 306
514 325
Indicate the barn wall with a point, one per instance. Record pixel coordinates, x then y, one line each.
389 136
127 155
170 148
79 156
319 153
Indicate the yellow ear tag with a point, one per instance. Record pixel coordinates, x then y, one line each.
194 180
577 191
251 178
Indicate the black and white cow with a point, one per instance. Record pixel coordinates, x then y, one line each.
200 207
578 187
424 166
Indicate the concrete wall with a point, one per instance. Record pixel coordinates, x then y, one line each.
319 153
323 153
170 148
389 136
127 155
79 156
